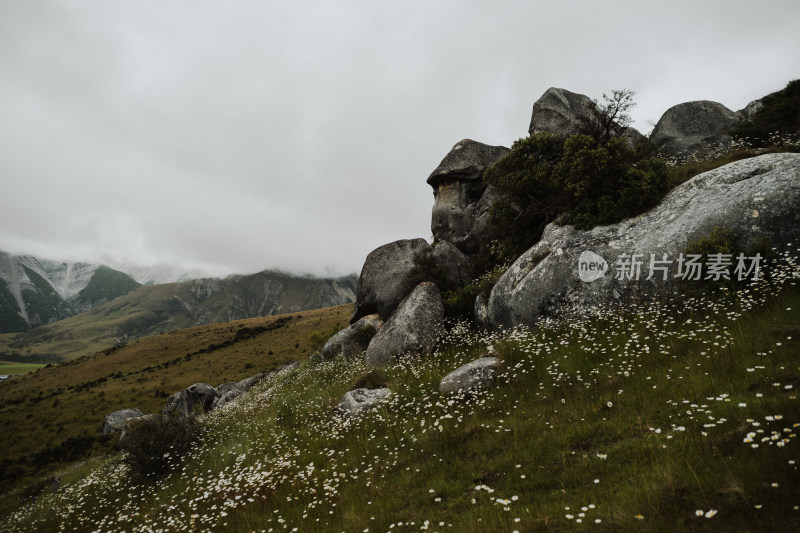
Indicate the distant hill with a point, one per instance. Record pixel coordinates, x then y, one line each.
152 309
36 291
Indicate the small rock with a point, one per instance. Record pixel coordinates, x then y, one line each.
360 400
478 373
114 422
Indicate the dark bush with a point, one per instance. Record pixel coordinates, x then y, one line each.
155 445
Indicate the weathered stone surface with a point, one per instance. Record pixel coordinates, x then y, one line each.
227 397
197 398
413 328
389 274
754 197
457 190
565 113
353 339
479 373
466 161
751 109
114 422
284 369
203 395
247 383
693 127
361 400
226 387
452 266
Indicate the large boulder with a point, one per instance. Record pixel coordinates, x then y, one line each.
413 328
451 266
479 373
115 422
227 387
359 401
353 339
389 274
693 127
753 198
458 189
565 113
196 398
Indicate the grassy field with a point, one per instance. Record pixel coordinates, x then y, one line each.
56 412
662 418
13 369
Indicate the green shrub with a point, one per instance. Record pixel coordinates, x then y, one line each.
588 181
155 445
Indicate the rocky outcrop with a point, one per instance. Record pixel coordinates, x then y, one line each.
693 127
753 198
474 375
565 113
198 398
353 339
389 274
413 328
458 189
115 422
227 397
247 383
359 401
452 266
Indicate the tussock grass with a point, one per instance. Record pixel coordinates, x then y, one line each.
681 415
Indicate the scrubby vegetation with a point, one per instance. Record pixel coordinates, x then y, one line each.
674 415
779 117
154 446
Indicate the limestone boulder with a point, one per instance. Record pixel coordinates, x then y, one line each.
115 422
566 113
458 189
452 266
227 387
580 270
247 383
693 127
389 274
413 328
474 375
353 339
227 397
359 401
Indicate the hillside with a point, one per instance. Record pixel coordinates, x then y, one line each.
36 291
679 416
154 309
56 411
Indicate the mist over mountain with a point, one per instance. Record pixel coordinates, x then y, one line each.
38 292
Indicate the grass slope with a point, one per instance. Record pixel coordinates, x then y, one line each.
667 417
58 410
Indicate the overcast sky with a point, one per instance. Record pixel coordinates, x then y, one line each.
242 135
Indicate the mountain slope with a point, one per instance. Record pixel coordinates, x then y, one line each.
153 309
105 285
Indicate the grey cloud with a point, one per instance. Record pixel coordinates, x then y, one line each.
245 135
